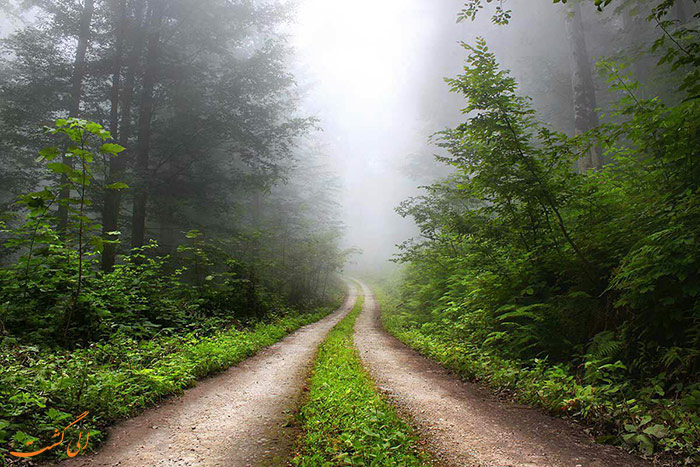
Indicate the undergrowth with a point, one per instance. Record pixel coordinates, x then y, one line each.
44 390
346 422
638 417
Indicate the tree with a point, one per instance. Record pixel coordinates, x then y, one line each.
199 96
133 26
583 87
156 17
117 166
83 41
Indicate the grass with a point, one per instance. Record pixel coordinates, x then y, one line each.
346 422
116 379
641 420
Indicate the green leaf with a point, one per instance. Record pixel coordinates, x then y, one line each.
92 127
110 148
60 168
49 153
657 431
97 243
117 186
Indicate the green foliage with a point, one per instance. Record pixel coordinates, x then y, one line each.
74 338
602 394
55 293
345 421
222 141
44 290
585 285
120 376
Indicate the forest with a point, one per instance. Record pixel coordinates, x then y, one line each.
159 186
199 201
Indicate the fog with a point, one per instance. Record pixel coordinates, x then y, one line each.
372 72
364 68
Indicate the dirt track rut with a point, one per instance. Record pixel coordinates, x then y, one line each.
237 418
464 424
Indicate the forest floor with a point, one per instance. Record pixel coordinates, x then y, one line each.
240 417
465 425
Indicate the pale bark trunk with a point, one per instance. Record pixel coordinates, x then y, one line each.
585 115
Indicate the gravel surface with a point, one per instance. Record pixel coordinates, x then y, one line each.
465 425
241 417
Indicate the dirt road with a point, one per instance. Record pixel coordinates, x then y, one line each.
465 425
237 418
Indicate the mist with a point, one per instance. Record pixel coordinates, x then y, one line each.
379 223
372 73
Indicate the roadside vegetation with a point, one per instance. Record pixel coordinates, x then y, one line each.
577 291
164 211
345 420
620 411
119 377
76 338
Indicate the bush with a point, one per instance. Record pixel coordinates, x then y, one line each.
41 389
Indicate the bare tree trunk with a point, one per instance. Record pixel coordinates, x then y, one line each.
585 115
325 284
110 210
118 165
146 111
133 70
76 96
633 24
256 209
680 11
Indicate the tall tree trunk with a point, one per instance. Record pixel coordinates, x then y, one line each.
633 24
110 210
585 115
325 284
680 12
124 99
146 110
76 97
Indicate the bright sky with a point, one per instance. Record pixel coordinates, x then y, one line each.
356 47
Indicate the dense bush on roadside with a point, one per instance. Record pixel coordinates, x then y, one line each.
580 291
42 390
603 395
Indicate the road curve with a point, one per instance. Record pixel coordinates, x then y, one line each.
463 424
237 418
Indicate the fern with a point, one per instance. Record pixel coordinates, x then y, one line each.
605 346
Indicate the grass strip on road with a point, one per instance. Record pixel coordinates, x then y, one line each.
346 421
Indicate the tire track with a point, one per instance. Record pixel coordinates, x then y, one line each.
237 418
466 425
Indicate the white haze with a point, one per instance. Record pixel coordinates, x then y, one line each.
362 65
371 71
